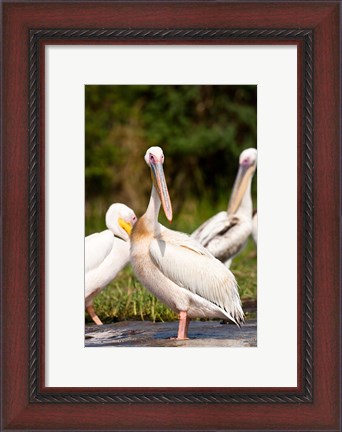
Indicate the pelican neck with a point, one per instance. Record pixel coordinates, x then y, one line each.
152 212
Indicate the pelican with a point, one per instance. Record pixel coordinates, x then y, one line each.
105 254
226 233
255 227
174 267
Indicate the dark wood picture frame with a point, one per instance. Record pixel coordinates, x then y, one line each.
27 404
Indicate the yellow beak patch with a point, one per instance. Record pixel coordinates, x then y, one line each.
125 225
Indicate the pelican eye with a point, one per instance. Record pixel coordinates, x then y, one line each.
246 161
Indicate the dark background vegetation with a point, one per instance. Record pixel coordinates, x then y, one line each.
202 130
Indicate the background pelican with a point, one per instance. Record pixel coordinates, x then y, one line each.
226 233
105 254
174 267
255 227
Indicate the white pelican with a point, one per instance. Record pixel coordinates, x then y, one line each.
255 227
226 233
105 254
174 267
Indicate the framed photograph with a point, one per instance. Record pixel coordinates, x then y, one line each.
62 59
205 129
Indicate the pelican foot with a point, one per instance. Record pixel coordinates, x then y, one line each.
179 339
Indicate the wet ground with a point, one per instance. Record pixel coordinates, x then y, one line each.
148 334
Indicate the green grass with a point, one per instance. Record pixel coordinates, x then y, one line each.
125 298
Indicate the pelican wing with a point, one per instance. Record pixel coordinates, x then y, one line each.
189 265
255 227
183 240
217 225
97 248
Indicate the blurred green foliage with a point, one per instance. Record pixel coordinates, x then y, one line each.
201 128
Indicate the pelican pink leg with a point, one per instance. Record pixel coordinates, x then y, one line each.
183 326
93 315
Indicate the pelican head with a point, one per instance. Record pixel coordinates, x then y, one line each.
247 166
154 158
120 220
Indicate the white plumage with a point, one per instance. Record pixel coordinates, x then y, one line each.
226 233
105 254
255 227
176 268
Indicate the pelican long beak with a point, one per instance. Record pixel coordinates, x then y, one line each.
125 225
240 186
159 182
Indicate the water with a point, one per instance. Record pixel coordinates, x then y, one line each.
149 334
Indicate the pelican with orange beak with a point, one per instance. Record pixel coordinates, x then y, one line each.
226 233
178 270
